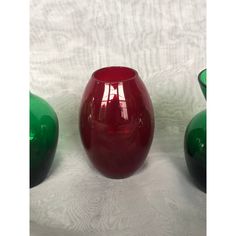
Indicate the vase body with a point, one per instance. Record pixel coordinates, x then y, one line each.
43 138
116 121
195 142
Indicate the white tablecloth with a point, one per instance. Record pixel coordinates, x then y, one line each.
164 40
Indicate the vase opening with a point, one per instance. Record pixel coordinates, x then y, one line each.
114 74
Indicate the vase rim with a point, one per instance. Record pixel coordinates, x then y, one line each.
201 79
114 74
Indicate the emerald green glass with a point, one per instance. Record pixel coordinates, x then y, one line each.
43 138
202 81
195 142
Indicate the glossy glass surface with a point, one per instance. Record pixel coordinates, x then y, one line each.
195 142
116 121
195 148
43 138
202 81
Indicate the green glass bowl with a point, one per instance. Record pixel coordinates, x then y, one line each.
195 142
43 138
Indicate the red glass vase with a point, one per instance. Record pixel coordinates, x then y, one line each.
116 121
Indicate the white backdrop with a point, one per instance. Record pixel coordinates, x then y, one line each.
164 40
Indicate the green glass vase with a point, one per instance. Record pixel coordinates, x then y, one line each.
195 142
43 138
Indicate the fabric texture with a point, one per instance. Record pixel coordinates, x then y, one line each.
165 41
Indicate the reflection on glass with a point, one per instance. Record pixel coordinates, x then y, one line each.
114 93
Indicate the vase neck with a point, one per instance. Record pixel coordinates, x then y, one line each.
202 78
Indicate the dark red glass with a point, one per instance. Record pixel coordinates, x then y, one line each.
116 121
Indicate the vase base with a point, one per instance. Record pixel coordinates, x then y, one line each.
38 178
197 172
34 183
